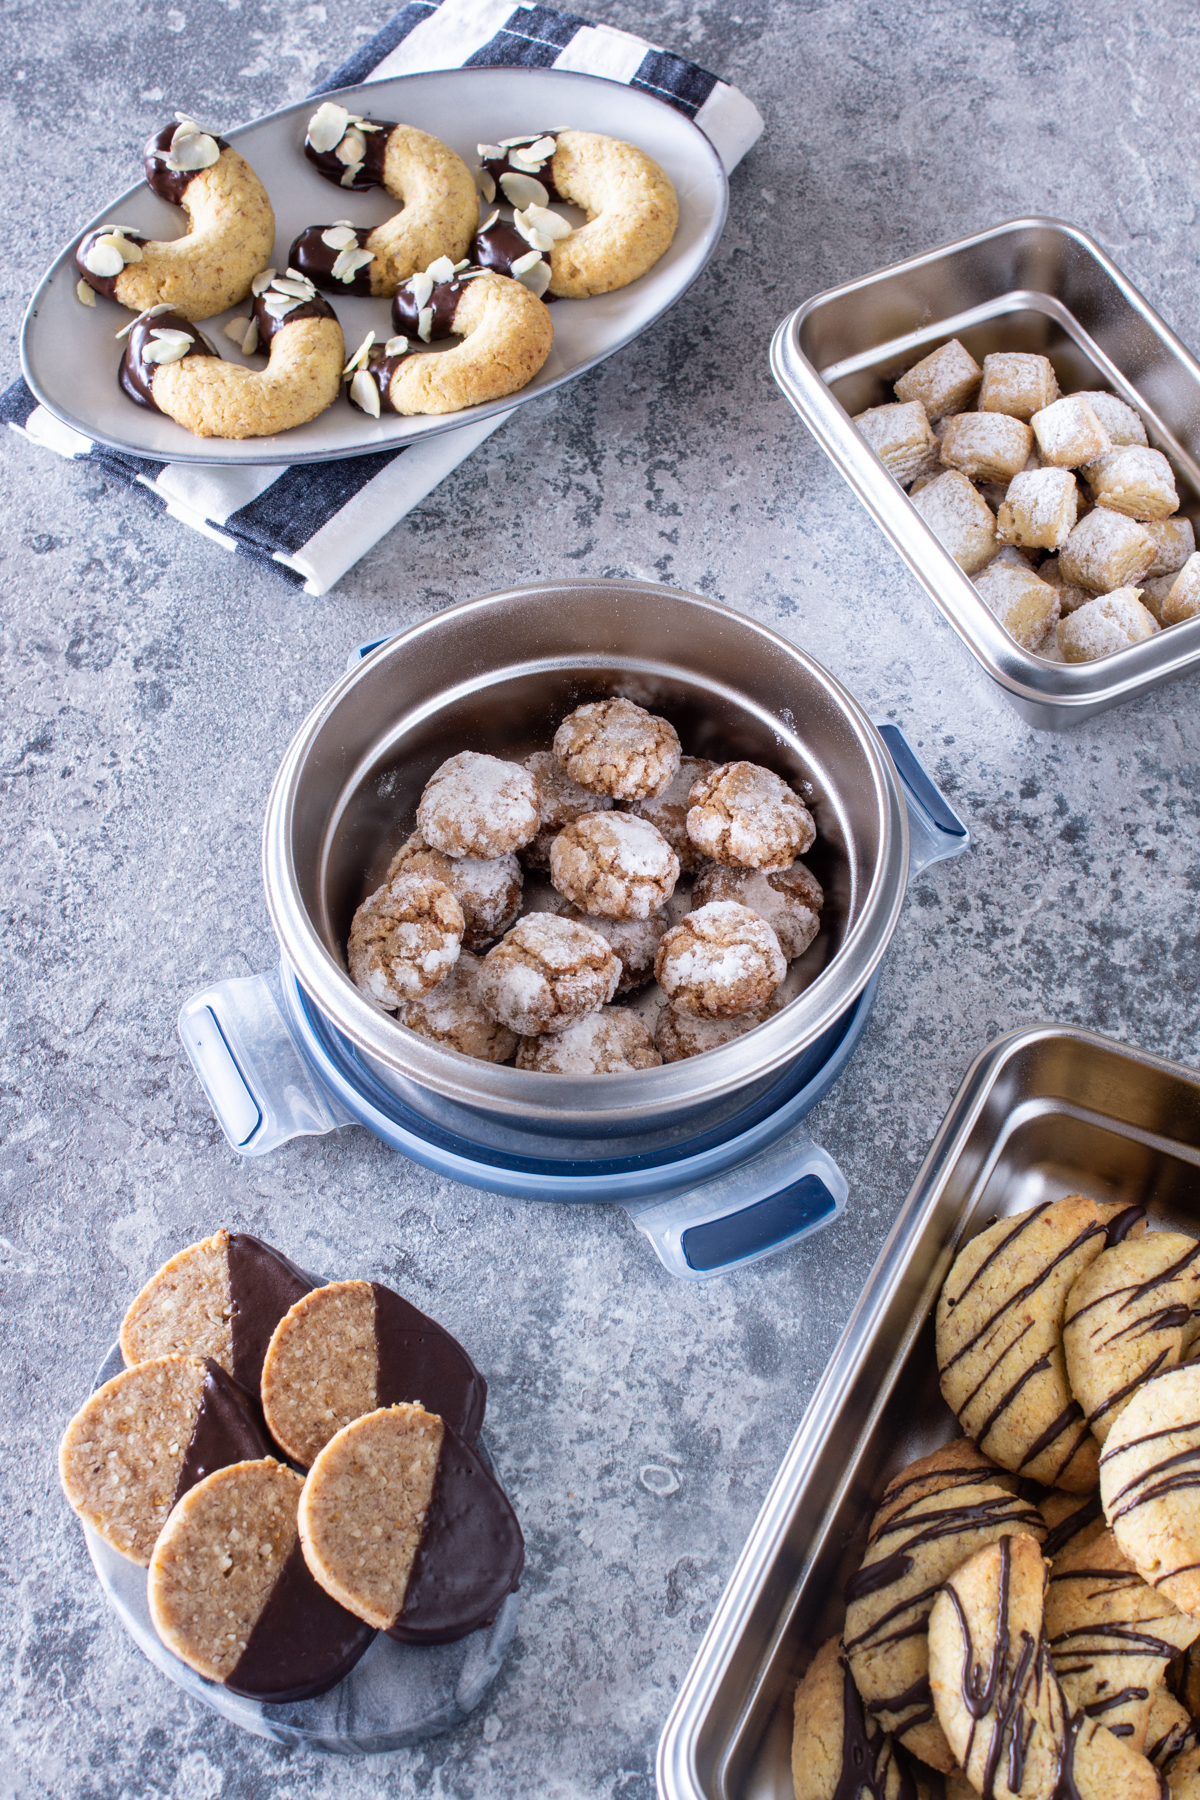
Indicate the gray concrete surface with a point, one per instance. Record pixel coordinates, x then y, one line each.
152 682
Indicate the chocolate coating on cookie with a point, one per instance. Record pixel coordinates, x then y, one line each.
369 175
442 305
314 258
269 325
136 374
499 246
226 1429
263 1285
103 284
499 166
169 184
302 1643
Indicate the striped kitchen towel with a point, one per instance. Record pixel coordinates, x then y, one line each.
312 522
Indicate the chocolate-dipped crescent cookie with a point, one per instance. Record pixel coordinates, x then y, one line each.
1128 1316
230 1592
222 1298
838 1753
352 1347
1150 1483
404 1525
229 238
631 211
999 1337
440 206
933 1516
144 1439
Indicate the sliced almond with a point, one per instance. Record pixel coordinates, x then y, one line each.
298 286
395 346
349 262
353 147
187 127
511 143
250 341
550 224
420 287
425 323
262 282
530 260
545 146
197 151
485 184
536 277
339 237
103 258
490 220
523 163
365 392
538 239
85 295
125 330
172 347
351 175
278 306
327 126
490 152
441 269
360 355
236 329
522 190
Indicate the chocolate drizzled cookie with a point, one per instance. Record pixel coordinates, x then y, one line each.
1128 1316
838 1752
1150 1483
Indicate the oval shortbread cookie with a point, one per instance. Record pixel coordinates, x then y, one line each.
1150 1483
402 1523
145 1438
231 1594
222 1298
349 1348
837 1750
1128 1316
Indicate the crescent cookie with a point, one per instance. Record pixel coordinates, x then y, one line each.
1111 1637
997 1697
999 1337
439 203
836 1748
231 229
1127 1316
933 1516
1150 1483
632 213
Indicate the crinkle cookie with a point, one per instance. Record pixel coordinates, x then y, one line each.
679 1034
934 1514
352 1346
1129 1315
1111 1636
405 939
480 806
997 1697
744 815
615 747
145 1438
562 802
487 888
1150 1483
667 812
614 865
635 941
837 1751
720 960
229 1592
402 1524
547 973
608 1042
222 1297
999 1336
453 1014
790 900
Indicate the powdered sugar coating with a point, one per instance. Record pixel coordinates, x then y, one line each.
1039 510
1106 625
634 941
1120 421
489 891
667 812
1069 434
612 1041
1134 480
679 1034
562 801
479 806
959 517
1106 551
745 815
547 973
615 747
454 1015
614 865
790 900
404 939
720 960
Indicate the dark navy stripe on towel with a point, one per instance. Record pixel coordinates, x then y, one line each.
682 84
532 37
356 68
304 499
16 402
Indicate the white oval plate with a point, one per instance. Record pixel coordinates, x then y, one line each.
69 352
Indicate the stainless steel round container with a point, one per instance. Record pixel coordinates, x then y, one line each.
498 674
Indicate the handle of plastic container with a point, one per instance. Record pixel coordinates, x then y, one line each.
935 831
258 1084
789 1192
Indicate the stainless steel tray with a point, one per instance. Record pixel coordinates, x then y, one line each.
1042 1113
1032 284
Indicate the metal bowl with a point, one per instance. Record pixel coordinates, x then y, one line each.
498 674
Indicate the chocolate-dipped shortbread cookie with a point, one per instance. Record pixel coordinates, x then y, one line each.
143 1440
222 1297
999 1336
1150 1483
403 1524
230 1592
352 1347
1128 1316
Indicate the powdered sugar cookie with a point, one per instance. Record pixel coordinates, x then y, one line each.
720 960
614 865
562 801
487 889
679 1034
615 747
453 1014
405 939
480 806
667 811
547 973
635 941
790 900
745 815
608 1042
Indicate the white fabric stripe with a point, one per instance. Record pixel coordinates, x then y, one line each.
384 501
45 429
731 123
212 493
600 50
194 520
447 38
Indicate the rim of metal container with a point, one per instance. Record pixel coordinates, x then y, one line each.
1061 693
569 1098
679 1776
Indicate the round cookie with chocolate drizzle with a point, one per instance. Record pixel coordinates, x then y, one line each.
1150 1483
838 1752
221 1298
1171 1732
999 1336
231 230
145 1438
231 1595
1132 1313
405 1526
933 1515
352 1347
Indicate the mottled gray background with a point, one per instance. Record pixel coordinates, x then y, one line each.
153 682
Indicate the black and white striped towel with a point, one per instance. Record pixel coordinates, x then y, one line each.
312 522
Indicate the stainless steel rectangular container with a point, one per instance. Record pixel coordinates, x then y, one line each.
1042 1113
1033 284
